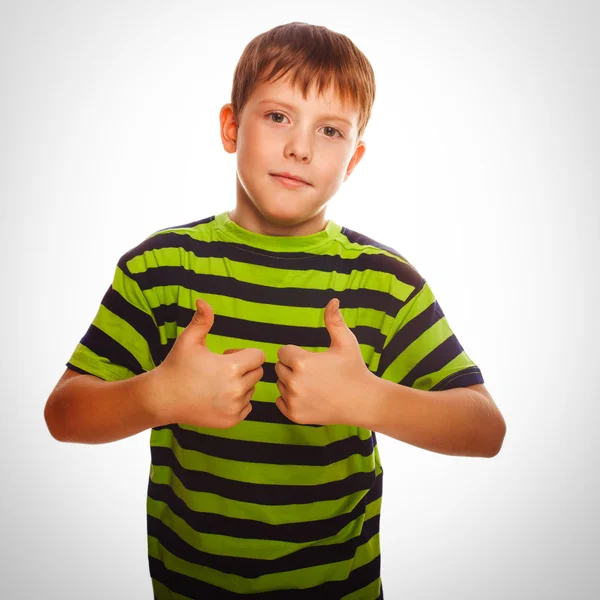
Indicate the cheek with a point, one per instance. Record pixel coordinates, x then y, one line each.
336 163
256 148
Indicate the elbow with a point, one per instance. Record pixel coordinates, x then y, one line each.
496 436
52 420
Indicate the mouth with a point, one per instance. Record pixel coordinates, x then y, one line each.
288 178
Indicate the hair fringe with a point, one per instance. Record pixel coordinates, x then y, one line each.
312 55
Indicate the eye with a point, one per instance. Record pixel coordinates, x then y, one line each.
277 117
339 133
277 114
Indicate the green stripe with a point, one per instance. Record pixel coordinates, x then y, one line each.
367 552
207 502
298 316
162 592
87 360
250 472
117 328
340 246
419 349
308 577
273 277
373 509
387 284
300 435
369 592
460 362
246 547
166 295
218 344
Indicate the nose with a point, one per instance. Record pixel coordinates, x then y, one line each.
299 146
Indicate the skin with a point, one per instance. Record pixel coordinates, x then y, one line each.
298 139
303 139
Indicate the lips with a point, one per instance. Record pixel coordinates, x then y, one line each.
292 177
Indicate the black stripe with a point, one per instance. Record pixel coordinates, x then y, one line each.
228 287
138 319
363 240
262 294
265 294
193 588
82 371
267 412
408 334
469 376
188 586
270 453
302 261
264 494
241 328
167 347
359 578
436 360
190 225
103 345
279 334
302 532
256 567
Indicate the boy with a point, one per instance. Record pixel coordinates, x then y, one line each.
265 477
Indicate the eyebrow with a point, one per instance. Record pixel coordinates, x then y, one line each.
290 107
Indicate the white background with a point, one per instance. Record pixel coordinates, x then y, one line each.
481 168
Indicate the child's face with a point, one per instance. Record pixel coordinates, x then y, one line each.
281 132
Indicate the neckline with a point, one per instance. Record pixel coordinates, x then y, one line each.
276 243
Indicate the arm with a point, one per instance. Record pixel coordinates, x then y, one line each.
462 421
89 410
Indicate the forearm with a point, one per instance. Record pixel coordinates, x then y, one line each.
458 422
89 410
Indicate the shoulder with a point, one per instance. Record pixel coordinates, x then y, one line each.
193 225
380 257
361 239
155 247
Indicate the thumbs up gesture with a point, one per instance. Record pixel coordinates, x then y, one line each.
201 388
324 388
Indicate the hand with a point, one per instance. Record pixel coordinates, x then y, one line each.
201 388
323 388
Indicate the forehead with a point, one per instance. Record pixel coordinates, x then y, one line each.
328 101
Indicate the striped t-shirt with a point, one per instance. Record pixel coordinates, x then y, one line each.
268 508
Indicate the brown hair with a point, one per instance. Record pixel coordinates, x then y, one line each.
314 54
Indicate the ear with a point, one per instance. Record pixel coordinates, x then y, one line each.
229 128
358 154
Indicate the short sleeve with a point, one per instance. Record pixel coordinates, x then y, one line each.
422 351
123 339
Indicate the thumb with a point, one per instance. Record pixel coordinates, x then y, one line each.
202 321
336 326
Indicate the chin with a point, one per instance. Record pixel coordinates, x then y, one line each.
282 208
287 217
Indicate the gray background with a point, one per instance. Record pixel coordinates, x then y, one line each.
481 168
